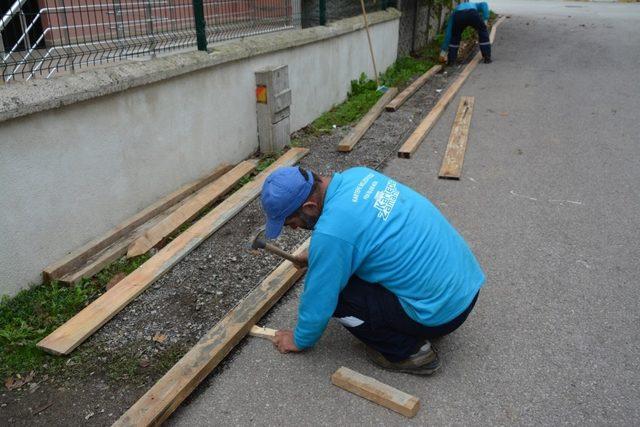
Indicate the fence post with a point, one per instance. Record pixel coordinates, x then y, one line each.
322 6
198 15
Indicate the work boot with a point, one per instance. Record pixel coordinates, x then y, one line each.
423 362
487 60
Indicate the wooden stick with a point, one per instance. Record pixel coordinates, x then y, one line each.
204 198
412 88
366 26
262 332
363 125
165 396
415 139
376 391
454 155
68 336
77 259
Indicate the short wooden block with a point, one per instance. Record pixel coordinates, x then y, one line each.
375 391
262 332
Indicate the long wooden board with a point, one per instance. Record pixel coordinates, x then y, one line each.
412 88
454 155
494 27
349 141
165 396
76 260
97 262
415 139
376 391
68 336
202 199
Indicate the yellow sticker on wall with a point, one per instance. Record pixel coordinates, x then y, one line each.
261 94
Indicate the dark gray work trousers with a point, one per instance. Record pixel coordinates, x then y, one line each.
461 20
375 316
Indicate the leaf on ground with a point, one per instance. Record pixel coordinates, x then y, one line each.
159 338
115 279
12 383
504 114
144 362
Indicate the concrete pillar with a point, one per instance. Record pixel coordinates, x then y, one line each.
273 98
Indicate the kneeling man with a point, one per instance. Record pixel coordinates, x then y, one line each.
382 260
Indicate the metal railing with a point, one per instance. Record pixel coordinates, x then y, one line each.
44 37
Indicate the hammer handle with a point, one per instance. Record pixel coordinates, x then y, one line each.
276 250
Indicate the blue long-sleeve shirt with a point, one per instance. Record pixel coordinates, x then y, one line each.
481 7
386 233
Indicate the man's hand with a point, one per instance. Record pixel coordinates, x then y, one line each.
284 342
302 260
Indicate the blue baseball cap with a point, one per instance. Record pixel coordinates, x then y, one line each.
283 192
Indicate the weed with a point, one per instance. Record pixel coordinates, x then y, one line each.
169 357
297 142
36 312
30 316
364 94
124 367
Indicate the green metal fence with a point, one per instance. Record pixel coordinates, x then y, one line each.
45 37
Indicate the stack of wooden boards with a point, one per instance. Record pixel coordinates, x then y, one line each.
68 336
415 139
449 170
95 255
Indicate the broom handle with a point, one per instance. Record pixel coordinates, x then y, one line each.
366 26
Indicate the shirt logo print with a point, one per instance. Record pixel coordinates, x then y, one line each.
385 200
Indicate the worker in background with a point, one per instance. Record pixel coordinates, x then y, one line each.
465 15
382 260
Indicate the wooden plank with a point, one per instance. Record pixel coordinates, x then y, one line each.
97 262
202 199
412 88
165 396
262 332
363 125
494 27
415 139
68 336
376 391
457 145
77 258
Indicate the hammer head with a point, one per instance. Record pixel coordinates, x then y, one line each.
257 240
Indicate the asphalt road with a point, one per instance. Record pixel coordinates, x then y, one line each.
550 203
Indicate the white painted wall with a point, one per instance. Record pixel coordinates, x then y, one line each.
69 174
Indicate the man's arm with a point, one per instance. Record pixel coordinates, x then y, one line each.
330 267
444 47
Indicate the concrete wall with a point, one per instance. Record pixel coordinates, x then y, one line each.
81 153
429 16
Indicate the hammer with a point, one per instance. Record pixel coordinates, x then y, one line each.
258 242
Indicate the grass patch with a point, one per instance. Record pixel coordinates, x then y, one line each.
361 98
364 94
263 163
34 313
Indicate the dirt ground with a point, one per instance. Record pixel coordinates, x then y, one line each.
111 370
